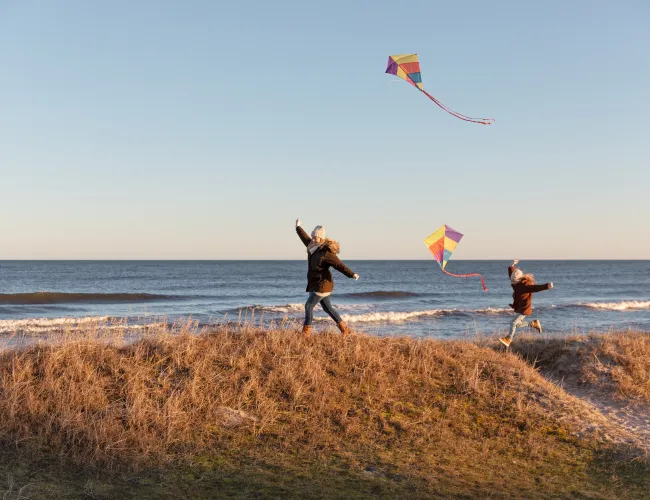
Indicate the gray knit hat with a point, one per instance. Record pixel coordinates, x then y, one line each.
318 233
516 276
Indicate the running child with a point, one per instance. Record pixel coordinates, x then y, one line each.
523 288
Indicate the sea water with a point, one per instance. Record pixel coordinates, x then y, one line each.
390 298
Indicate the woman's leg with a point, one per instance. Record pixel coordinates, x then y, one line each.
312 300
330 309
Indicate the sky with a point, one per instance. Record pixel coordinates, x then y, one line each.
202 130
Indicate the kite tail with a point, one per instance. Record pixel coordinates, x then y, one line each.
482 121
468 276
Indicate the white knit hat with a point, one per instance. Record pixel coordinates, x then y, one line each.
318 233
516 276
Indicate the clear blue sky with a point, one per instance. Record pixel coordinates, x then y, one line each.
202 129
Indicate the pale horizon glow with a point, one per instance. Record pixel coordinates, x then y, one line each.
201 130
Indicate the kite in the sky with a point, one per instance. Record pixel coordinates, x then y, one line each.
406 66
441 244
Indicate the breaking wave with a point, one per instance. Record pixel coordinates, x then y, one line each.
297 308
390 316
282 309
366 315
67 298
40 326
399 317
489 310
369 313
46 325
619 306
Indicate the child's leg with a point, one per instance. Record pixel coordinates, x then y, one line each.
516 322
330 309
312 300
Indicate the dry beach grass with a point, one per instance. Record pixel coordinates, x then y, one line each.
269 413
618 363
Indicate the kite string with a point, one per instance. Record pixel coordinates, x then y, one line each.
468 276
482 121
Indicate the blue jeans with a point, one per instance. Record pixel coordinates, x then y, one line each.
327 306
517 321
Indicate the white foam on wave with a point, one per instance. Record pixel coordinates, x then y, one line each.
377 316
389 316
283 309
619 306
398 317
487 310
300 308
43 326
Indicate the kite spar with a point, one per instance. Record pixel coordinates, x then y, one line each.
441 244
407 67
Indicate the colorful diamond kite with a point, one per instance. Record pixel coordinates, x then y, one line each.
441 244
407 67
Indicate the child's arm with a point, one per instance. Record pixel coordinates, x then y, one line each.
511 269
304 237
537 288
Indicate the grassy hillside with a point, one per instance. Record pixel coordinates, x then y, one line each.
258 414
618 363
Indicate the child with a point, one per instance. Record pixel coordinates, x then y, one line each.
523 286
321 255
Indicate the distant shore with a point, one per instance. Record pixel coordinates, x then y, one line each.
255 413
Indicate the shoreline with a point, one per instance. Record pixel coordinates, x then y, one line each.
417 324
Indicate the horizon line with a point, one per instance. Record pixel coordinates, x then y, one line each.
301 260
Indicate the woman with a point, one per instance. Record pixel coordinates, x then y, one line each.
321 255
523 288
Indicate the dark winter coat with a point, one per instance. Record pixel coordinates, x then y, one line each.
319 277
522 295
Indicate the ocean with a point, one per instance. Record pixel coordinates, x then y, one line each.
390 298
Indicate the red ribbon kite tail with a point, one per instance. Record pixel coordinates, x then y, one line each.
468 276
482 121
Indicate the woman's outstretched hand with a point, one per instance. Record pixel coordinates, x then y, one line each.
298 222
550 285
355 277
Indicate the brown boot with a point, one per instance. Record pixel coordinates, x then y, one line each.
536 325
306 330
343 327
